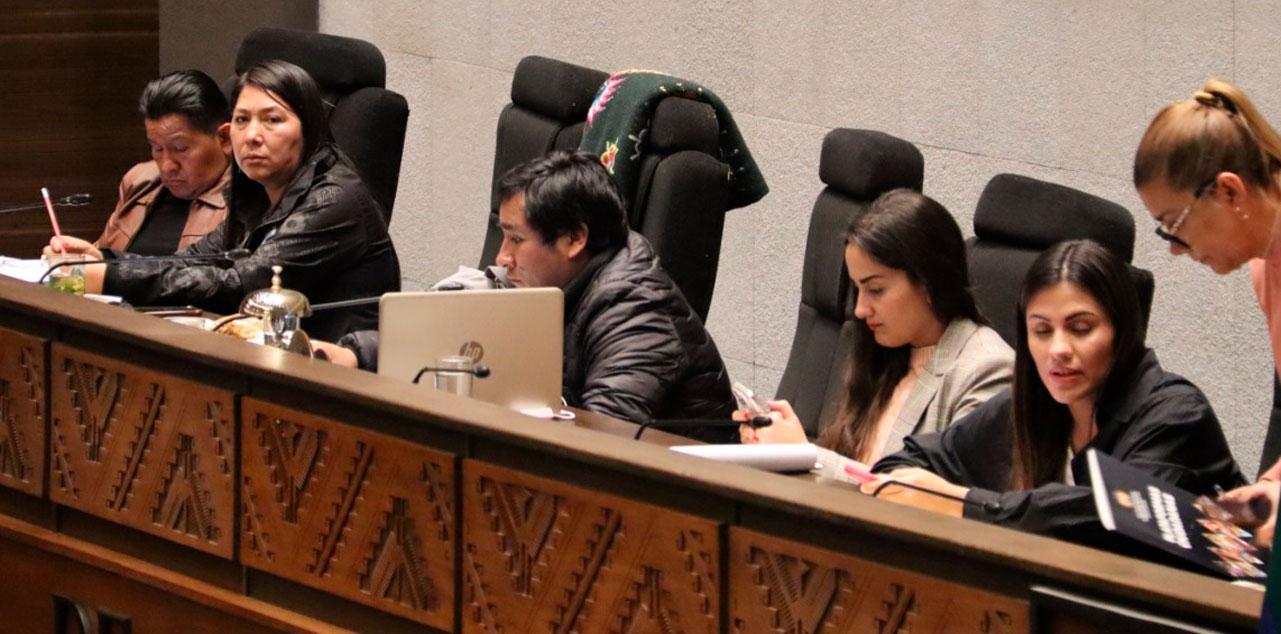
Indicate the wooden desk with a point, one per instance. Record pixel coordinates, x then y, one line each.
159 473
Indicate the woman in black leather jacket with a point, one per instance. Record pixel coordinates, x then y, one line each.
294 200
1082 380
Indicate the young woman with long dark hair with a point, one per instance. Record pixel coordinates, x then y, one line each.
920 354
1083 379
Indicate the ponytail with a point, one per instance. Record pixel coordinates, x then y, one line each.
1219 130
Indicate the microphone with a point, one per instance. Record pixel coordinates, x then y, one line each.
991 508
755 422
74 200
231 255
361 301
480 371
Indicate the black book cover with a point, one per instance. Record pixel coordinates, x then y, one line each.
1159 514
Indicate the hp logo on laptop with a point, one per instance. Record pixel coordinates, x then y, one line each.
472 350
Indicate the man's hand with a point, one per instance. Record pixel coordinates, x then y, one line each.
72 245
336 354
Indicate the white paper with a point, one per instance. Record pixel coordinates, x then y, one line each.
25 270
770 457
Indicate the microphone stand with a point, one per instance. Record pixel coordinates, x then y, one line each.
74 200
755 422
230 256
991 508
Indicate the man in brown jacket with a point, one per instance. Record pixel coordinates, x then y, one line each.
176 198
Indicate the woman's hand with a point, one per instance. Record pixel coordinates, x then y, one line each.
336 354
1254 506
920 499
786 427
72 245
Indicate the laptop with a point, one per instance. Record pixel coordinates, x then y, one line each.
516 333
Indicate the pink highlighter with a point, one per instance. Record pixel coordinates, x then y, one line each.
860 473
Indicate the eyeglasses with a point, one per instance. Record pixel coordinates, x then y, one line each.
1167 232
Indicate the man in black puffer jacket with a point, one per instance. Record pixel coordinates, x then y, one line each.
634 349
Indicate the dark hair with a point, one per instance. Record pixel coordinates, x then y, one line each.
297 91
909 231
189 93
565 191
1042 427
1219 130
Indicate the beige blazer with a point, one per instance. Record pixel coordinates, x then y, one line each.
971 364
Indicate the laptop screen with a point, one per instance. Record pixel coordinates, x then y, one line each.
516 333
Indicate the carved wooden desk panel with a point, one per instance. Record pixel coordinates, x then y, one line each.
22 416
545 556
359 514
142 448
777 585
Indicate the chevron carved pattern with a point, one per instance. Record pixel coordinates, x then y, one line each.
142 448
545 556
22 417
358 514
783 587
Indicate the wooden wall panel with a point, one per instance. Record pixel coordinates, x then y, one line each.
362 515
72 72
22 415
784 587
545 556
142 448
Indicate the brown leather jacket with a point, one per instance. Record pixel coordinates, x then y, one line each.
138 192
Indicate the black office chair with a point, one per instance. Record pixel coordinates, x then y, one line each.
368 121
1017 218
856 166
681 196
547 112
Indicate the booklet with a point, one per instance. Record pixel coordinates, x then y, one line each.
1159 514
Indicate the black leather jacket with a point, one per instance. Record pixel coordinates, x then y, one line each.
634 349
327 232
1161 424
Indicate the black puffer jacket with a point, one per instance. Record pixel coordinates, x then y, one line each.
634 349
327 232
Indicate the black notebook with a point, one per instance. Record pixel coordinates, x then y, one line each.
1159 514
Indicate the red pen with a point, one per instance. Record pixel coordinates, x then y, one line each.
53 219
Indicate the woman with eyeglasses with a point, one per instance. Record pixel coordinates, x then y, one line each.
1083 379
1207 170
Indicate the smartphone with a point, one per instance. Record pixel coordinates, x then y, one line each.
748 401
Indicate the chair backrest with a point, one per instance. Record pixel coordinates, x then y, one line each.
547 112
856 166
681 196
1017 218
367 120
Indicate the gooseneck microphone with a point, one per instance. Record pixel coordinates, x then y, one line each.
991 508
74 200
480 371
230 255
755 422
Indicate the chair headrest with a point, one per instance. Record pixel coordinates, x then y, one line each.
1035 214
340 65
865 163
557 89
683 124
